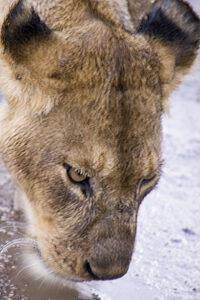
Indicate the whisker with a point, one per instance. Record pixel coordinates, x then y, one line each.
45 280
14 226
13 229
25 269
17 242
17 223
42 282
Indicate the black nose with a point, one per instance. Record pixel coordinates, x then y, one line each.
109 260
107 273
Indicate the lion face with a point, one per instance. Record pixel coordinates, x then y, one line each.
85 170
82 136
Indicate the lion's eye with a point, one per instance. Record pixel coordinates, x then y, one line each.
80 179
148 180
147 184
76 176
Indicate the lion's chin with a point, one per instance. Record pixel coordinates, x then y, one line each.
39 270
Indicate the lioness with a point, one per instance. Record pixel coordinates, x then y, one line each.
81 131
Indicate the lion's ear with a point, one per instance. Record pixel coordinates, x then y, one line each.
173 29
21 25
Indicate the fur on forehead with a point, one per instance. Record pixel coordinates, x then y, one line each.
44 67
41 66
102 159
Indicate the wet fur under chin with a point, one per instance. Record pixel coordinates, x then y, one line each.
39 270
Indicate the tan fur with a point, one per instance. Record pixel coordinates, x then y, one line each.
138 9
91 94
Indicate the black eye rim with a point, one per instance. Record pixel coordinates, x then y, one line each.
148 179
143 193
81 183
154 176
148 183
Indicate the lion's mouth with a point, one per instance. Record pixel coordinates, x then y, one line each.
51 270
51 267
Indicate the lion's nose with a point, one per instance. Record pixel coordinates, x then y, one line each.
101 272
109 261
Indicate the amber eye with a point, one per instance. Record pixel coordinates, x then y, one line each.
76 176
80 179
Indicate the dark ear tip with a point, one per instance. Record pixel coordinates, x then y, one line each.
171 20
174 24
188 15
21 25
16 9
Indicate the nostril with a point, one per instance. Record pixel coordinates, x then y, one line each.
89 270
102 274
